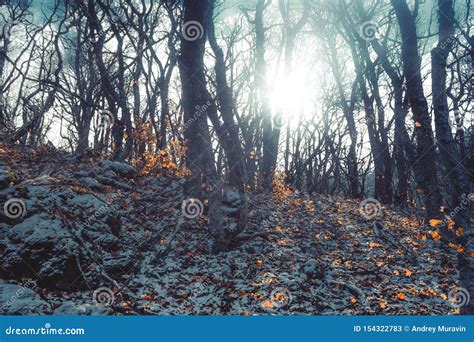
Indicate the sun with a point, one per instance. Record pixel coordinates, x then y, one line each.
290 96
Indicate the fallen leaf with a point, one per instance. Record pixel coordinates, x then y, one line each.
435 222
435 235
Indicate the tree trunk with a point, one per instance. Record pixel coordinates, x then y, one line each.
269 149
426 156
448 149
200 158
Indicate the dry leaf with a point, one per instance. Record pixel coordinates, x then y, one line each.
435 222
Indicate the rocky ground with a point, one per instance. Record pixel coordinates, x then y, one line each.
82 236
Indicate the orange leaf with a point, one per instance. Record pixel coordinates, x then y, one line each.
435 235
435 222
401 296
353 300
374 245
383 304
457 247
460 231
408 273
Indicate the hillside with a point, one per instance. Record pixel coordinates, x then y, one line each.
98 237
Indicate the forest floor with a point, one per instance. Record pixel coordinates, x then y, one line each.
99 238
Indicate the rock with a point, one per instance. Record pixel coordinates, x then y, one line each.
39 246
21 300
119 265
91 183
103 239
87 202
232 198
230 211
122 169
110 174
68 309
